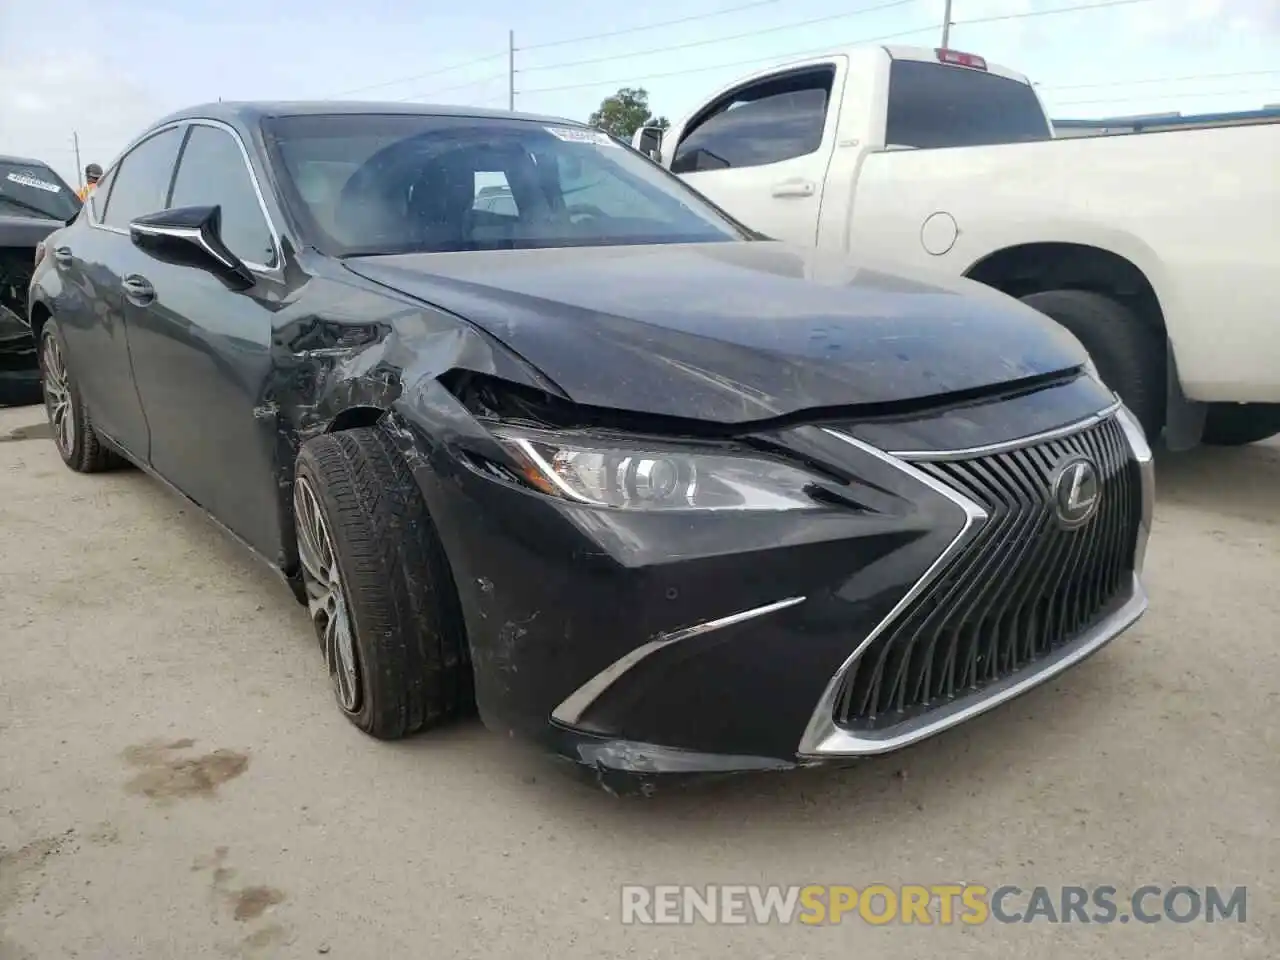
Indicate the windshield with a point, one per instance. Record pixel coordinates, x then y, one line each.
34 190
379 184
938 105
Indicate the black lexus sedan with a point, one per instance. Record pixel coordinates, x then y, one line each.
640 484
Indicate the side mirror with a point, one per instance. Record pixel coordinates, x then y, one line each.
191 237
648 140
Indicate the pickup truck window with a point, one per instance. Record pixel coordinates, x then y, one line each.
938 105
411 183
776 119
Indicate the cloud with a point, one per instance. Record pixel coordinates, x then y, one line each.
46 97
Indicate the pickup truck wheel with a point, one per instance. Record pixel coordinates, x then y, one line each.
73 433
379 587
1129 355
1237 424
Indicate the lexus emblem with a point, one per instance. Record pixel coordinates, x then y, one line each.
1076 492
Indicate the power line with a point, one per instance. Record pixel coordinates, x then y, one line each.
703 43
779 58
650 26
1184 79
421 76
456 86
1074 8
1052 11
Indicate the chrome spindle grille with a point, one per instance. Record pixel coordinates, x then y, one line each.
1023 587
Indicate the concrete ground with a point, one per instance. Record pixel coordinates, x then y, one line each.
175 782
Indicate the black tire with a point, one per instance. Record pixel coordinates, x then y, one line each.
85 453
413 667
1129 354
1238 424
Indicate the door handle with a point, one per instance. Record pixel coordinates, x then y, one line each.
138 289
794 188
63 256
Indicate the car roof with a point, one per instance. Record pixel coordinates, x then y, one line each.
25 161
251 111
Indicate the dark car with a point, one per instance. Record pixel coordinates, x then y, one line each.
660 494
34 201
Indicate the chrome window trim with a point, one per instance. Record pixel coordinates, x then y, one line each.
276 243
571 709
1007 445
92 220
823 739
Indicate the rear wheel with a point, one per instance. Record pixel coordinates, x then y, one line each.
74 435
1237 424
378 586
1129 355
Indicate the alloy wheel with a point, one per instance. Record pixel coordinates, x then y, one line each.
326 595
58 402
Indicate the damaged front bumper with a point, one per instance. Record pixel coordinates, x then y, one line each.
646 644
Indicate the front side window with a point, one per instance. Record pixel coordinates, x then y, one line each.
767 122
34 190
142 179
212 172
379 184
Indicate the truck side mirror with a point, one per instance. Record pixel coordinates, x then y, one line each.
648 140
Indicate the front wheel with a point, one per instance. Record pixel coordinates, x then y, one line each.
378 586
1238 424
1129 354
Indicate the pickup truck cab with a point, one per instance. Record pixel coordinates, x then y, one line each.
1159 251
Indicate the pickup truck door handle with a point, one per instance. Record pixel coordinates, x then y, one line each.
63 256
794 188
138 289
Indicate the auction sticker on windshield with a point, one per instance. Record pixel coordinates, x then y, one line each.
576 135
29 181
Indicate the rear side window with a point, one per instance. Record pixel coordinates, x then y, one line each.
777 119
938 105
141 182
213 172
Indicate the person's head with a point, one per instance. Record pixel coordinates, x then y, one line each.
92 173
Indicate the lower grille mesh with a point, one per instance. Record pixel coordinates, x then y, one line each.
1022 588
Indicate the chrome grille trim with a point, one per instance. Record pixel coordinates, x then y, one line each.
1128 454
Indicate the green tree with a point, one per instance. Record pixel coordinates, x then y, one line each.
626 112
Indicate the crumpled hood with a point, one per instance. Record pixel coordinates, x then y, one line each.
733 332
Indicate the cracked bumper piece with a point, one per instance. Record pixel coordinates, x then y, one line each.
937 586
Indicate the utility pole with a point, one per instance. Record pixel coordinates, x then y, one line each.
511 69
75 145
946 24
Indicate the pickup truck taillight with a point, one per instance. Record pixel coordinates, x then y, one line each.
961 59
39 254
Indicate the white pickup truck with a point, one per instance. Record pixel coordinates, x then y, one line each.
1159 251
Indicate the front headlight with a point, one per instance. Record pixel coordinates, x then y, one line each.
651 476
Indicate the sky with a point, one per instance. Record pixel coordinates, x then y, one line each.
104 70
